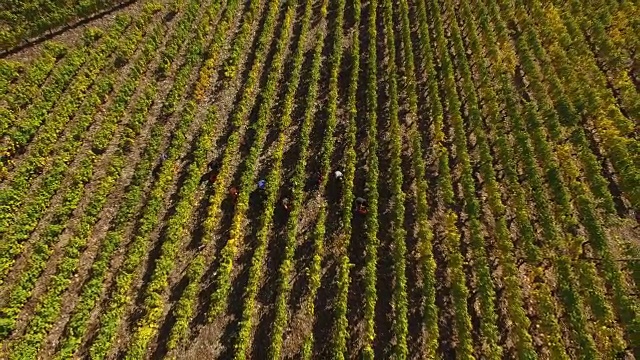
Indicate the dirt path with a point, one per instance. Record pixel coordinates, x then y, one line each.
120 190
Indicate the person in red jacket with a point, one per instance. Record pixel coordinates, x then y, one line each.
233 193
361 206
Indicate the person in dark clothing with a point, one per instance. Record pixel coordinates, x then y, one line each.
214 166
361 206
213 169
286 204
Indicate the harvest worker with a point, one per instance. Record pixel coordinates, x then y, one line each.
361 206
285 204
262 189
214 169
339 180
233 193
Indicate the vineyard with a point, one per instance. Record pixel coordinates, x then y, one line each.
320 179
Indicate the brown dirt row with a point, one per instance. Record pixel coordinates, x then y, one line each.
27 152
135 312
415 336
103 224
264 301
298 325
224 107
222 98
170 123
70 33
71 225
275 248
356 249
57 199
382 343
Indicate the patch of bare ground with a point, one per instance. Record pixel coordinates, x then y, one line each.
103 224
55 203
415 283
